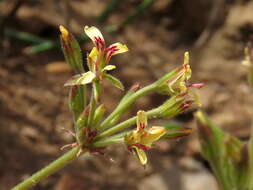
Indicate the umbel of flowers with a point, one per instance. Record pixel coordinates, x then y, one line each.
94 129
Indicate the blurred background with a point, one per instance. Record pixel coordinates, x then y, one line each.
33 102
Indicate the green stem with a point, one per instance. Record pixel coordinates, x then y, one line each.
116 139
124 105
126 124
48 170
92 106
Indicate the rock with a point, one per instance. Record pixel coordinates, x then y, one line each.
153 182
198 181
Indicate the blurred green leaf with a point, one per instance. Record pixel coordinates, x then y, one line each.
226 154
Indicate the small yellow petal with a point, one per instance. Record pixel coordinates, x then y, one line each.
119 48
93 54
186 65
142 120
186 58
109 68
93 32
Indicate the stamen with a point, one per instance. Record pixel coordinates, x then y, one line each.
182 94
195 85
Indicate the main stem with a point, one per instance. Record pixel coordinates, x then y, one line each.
48 170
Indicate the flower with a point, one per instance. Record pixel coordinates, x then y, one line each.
142 138
100 55
97 60
177 79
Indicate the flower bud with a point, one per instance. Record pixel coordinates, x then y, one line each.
99 114
175 131
71 50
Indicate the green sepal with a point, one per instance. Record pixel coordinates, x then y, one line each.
99 114
114 81
172 107
77 100
80 124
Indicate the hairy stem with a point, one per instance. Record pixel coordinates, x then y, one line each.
48 170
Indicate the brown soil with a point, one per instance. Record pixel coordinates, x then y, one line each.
33 101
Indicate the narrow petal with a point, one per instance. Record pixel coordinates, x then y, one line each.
142 120
109 68
117 48
95 35
141 155
93 54
153 134
186 65
81 79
